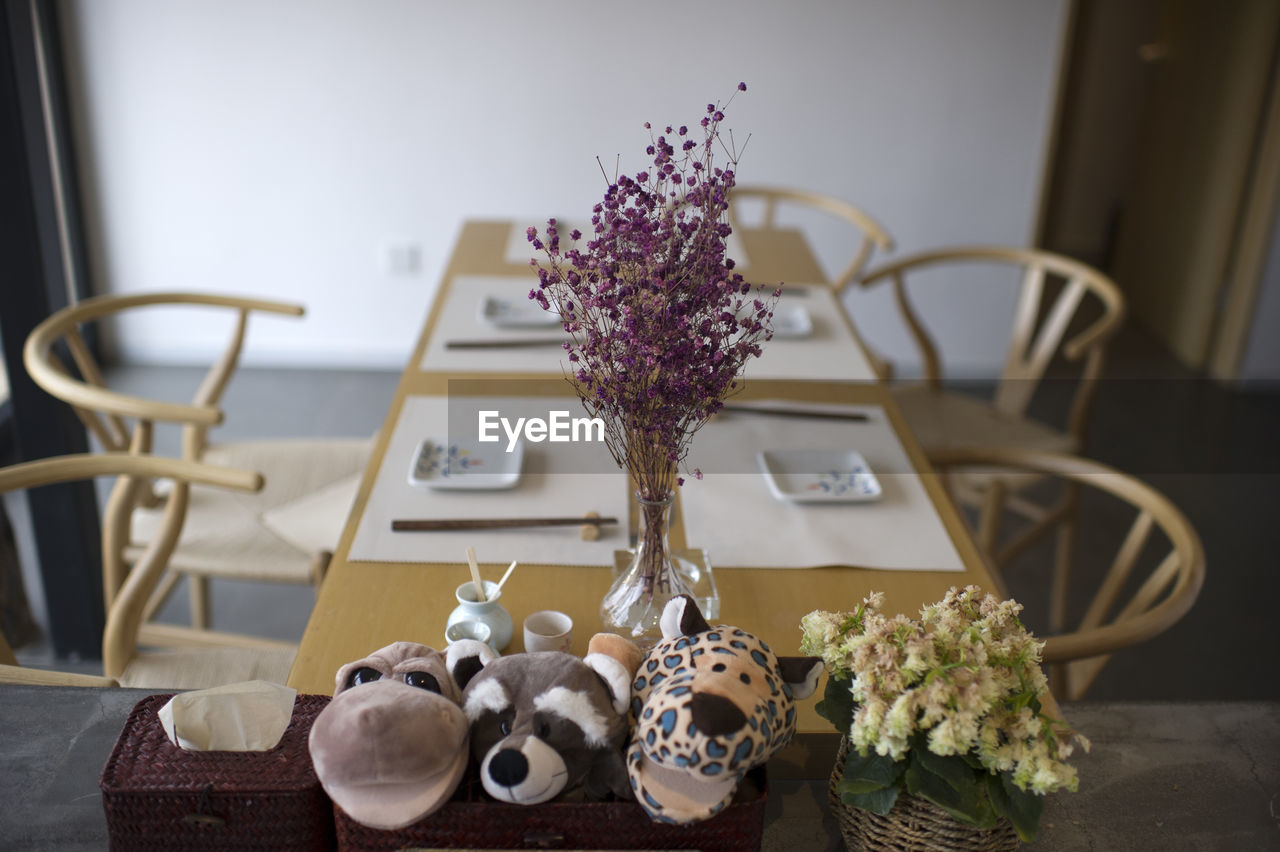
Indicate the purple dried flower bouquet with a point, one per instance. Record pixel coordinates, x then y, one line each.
660 325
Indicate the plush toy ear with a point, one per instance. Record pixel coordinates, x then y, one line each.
681 617
616 659
465 658
801 674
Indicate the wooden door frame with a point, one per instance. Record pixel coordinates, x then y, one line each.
1250 235
1253 245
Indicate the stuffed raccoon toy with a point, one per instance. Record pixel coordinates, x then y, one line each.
548 724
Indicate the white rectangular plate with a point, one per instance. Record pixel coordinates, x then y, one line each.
518 312
819 476
461 465
791 321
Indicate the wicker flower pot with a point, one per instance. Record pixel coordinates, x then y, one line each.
913 824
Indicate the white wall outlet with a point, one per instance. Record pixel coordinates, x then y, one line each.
400 258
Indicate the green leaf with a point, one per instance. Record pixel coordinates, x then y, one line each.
1022 807
952 768
969 805
837 705
878 802
870 773
997 796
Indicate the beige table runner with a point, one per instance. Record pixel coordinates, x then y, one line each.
591 484
731 513
829 352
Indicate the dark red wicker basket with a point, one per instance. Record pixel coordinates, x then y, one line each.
158 796
471 820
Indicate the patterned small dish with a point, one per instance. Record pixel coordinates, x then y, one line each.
519 312
819 476
458 465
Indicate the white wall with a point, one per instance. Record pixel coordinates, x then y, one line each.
275 147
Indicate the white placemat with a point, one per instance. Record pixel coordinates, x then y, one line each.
731 513
542 491
460 321
829 352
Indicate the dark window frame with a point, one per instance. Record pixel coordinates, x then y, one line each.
42 255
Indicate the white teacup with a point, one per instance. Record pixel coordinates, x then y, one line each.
548 630
477 630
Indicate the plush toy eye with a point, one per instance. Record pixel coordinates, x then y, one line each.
541 729
364 674
504 727
423 680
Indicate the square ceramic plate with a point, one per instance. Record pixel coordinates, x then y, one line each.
461 465
520 312
791 321
819 476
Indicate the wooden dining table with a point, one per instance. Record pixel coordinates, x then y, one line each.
367 601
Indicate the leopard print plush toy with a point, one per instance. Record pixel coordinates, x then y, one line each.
709 704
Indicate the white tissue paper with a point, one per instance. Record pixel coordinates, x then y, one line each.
248 716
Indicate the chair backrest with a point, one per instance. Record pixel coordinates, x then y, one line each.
1041 324
103 411
125 423
871 234
127 595
1128 606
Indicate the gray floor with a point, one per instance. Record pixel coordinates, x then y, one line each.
1180 776
1214 452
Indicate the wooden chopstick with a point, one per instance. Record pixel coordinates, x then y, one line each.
855 416
504 343
416 525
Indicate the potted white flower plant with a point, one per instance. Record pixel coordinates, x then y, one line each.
944 730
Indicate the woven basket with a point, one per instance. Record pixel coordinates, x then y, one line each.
912 825
471 820
159 796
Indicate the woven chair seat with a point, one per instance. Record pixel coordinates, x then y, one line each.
224 534
942 419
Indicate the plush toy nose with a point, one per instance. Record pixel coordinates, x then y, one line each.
508 767
715 715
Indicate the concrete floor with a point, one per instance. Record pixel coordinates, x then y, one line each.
1214 452
1188 776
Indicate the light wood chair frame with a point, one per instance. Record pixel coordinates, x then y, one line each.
872 236
1030 350
1034 341
1108 625
11 672
128 596
105 413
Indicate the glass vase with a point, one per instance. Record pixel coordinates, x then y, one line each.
633 606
